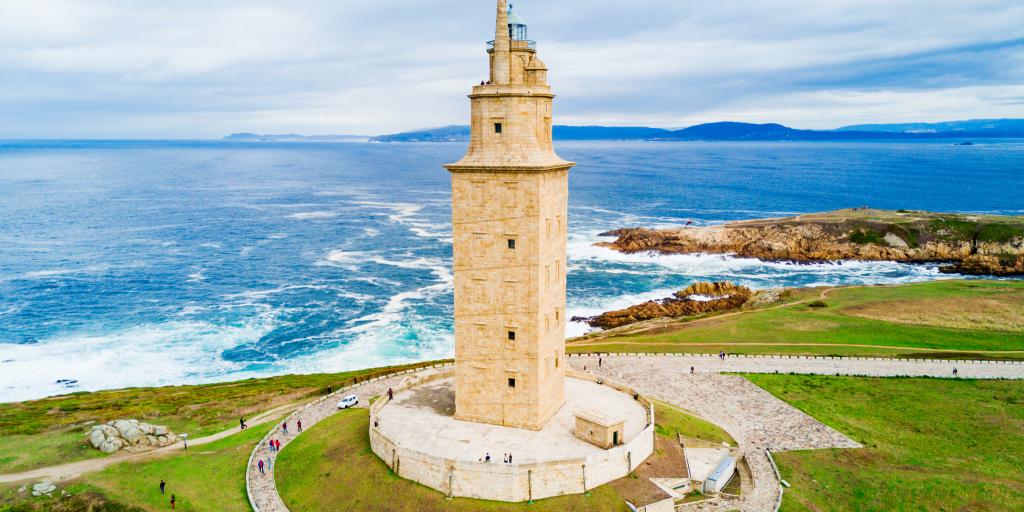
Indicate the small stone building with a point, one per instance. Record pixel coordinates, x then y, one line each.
598 429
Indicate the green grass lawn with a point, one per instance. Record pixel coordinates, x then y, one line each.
203 478
52 430
331 467
930 444
671 421
976 318
207 477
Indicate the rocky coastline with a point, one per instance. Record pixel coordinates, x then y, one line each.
959 243
696 299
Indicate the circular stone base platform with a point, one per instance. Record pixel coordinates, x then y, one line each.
418 437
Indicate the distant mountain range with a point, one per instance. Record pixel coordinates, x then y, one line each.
294 137
971 129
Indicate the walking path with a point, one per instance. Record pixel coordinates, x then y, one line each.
679 364
755 418
75 469
261 488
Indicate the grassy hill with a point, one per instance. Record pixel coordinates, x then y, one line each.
939 319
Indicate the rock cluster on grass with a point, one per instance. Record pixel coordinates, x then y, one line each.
43 488
120 434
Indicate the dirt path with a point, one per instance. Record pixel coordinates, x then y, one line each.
75 469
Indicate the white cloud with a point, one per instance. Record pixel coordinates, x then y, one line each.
133 68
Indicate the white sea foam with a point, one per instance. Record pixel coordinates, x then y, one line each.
409 215
315 215
57 272
382 338
166 353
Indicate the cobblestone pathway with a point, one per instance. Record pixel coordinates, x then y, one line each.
261 488
754 417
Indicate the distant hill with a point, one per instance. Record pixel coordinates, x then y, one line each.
294 137
999 127
443 134
978 128
1008 128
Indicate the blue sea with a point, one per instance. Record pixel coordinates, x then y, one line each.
154 263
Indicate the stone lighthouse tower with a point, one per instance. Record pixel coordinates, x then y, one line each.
509 214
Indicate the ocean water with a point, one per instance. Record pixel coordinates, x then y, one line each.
152 263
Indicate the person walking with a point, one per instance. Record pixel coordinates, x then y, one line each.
299 424
599 361
260 464
954 372
284 427
241 423
691 370
391 394
172 501
163 486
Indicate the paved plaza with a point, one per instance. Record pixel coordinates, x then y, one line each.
422 418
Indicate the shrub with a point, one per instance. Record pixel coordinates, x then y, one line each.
951 228
1000 232
818 304
867 236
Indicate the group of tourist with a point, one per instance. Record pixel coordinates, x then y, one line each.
506 458
284 426
163 489
265 467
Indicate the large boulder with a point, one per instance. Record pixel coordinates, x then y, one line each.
122 426
133 435
112 445
119 434
97 437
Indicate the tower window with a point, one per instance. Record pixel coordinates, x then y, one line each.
497 127
511 382
512 243
511 335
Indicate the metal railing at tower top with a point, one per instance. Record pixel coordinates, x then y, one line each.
516 43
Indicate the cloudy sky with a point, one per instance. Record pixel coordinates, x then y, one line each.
203 69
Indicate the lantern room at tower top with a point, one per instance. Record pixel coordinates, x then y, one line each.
516 31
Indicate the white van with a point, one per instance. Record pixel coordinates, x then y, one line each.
348 401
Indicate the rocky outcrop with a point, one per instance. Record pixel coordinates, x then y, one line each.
1006 265
697 299
120 434
986 245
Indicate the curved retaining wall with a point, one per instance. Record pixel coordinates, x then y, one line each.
261 489
517 482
